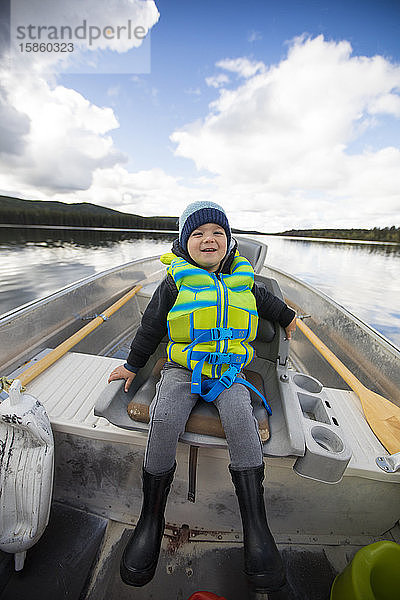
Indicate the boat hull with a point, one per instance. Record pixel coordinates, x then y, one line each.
105 478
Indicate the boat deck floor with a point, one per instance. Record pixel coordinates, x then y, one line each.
78 558
220 570
58 566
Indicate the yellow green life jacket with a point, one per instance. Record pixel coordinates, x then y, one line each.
212 322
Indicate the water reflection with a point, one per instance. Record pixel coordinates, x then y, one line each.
370 247
50 237
38 262
363 278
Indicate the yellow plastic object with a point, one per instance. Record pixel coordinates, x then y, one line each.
373 574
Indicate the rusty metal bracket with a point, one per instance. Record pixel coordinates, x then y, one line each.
193 452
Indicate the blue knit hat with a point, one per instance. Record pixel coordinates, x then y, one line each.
198 213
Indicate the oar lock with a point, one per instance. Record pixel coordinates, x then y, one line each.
91 317
389 463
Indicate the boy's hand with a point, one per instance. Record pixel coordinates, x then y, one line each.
290 328
122 373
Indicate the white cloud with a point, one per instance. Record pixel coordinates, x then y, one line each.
68 137
283 138
217 81
52 139
14 126
389 104
244 67
148 192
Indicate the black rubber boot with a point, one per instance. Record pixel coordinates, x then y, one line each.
263 564
140 557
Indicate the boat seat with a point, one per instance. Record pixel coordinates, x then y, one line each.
254 251
204 427
204 418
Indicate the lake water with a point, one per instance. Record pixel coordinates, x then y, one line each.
364 278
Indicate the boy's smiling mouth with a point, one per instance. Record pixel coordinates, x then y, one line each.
207 246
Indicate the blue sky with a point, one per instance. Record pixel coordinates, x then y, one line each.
285 112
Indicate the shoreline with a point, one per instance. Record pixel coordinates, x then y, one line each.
175 232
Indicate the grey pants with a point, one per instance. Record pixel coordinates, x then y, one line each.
170 410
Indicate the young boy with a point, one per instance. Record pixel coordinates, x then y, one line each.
209 305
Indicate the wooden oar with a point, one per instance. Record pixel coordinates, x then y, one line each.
70 342
382 415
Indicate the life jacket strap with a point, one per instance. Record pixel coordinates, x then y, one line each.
210 389
219 358
217 334
251 387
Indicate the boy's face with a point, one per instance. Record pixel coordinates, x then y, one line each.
207 246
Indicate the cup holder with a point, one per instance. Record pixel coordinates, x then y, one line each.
326 457
327 439
307 383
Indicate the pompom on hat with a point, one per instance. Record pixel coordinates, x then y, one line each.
198 213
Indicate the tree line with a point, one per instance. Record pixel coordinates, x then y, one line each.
21 212
376 234
15 211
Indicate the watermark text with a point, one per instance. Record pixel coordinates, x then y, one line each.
81 32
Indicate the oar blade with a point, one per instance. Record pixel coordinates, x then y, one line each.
384 419
382 415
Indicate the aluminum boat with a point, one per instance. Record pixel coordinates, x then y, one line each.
331 485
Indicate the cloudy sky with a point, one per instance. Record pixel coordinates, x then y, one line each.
287 113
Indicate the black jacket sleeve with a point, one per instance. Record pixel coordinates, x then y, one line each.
271 307
153 326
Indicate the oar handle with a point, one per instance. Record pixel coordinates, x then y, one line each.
333 360
69 343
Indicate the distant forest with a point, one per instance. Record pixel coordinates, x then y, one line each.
377 234
14 211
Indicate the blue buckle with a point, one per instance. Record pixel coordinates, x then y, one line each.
221 333
219 358
228 378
